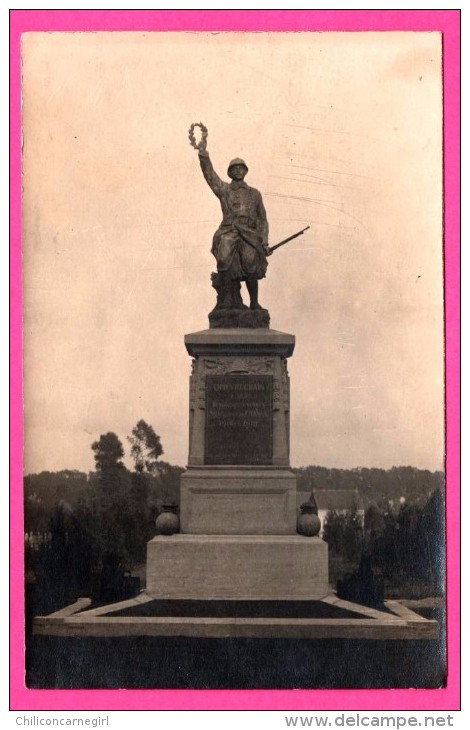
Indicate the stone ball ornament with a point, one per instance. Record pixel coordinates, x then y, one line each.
308 523
168 521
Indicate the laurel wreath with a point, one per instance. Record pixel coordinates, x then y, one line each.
201 145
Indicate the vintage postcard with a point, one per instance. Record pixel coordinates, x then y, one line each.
237 263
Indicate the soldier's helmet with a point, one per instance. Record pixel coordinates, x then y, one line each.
236 161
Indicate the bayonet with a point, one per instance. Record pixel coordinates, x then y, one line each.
286 240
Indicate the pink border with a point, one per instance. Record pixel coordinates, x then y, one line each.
446 21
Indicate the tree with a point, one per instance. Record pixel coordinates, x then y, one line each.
344 533
111 500
374 523
64 564
146 447
108 452
145 450
168 479
433 530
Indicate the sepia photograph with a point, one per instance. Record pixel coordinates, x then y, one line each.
234 359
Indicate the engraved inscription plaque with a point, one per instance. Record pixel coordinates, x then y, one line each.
239 419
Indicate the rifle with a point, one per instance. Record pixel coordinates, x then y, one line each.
286 240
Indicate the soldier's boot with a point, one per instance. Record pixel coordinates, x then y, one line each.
252 286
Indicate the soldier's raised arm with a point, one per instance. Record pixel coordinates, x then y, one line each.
210 175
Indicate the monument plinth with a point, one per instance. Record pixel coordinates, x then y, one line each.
237 567
238 496
238 479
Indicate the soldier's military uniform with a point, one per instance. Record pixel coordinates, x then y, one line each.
239 244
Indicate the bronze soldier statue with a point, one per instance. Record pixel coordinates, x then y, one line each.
240 244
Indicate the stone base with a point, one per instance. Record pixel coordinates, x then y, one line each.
239 567
238 501
230 318
396 623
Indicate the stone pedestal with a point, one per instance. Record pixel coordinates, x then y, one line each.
238 496
238 500
237 567
239 397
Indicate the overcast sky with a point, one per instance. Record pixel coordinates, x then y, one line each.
341 131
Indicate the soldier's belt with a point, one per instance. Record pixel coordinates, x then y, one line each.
245 221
